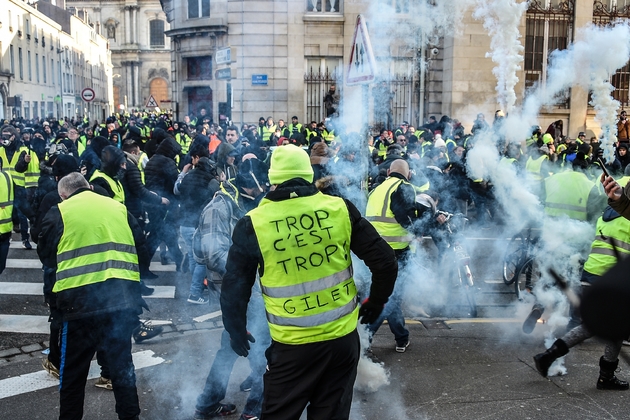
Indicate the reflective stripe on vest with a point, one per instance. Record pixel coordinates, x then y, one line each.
6 204
380 215
96 248
603 257
9 166
567 194
534 167
31 176
307 283
116 186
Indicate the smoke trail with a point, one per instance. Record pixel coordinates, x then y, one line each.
589 62
502 19
370 375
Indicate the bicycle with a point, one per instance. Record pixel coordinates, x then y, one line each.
458 259
519 251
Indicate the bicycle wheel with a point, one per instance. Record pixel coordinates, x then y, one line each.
527 277
515 256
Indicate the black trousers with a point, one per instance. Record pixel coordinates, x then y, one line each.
320 375
110 333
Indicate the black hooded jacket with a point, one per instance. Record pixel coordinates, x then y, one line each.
197 188
161 171
91 157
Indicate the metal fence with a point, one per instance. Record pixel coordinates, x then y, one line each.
394 102
606 15
317 84
549 27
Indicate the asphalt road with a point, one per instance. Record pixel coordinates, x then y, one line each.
456 367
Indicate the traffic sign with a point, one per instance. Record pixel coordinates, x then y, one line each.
88 94
362 67
223 74
259 79
223 56
151 102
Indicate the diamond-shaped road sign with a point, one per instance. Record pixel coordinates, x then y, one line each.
362 67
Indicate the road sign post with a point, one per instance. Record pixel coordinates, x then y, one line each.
362 66
88 94
151 102
223 56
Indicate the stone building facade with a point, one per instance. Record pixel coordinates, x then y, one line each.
140 50
286 53
48 57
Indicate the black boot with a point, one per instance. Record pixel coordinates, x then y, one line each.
607 378
545 360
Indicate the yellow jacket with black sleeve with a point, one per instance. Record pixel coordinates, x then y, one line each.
97 265
246 259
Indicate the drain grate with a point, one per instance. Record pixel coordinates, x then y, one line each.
435 325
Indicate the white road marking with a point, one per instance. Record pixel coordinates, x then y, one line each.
36 289
41 379
206 317
37 324
33 263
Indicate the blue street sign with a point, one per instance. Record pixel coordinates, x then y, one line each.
259 79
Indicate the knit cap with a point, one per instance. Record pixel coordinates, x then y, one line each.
289 162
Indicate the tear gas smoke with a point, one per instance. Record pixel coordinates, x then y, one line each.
370 375
589 62
502 19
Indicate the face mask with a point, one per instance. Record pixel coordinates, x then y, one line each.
120 174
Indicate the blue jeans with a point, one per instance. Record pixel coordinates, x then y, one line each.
215 388
393 310
198 271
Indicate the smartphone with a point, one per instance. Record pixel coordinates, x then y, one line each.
603 165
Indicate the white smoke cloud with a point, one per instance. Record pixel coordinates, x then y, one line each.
501 19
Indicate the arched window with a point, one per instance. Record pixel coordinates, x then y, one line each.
156 33
158 88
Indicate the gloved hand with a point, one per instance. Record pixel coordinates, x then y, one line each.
240 345
370 311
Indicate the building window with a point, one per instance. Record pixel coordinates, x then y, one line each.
52 71
547 29
35 110
321 73
156 33
44 71
334 6
37 67
27 110
29 66
198 8
606 13
199 68
20 64
12 54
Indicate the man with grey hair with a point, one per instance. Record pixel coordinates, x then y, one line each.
91 242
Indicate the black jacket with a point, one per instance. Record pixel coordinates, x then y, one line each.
196 189
245 257
161 171
94 299
135 191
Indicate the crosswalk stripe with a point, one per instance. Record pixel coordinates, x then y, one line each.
41 379
35 289
38 324
206 317
32 263
27 324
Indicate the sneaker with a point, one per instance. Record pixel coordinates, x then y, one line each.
26 244
246 385
198 300
104 383
402 347
146 331
625 343
146 274
50 368
248 417
221 411
146 290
